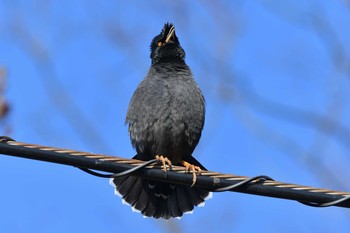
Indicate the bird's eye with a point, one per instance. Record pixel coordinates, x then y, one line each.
160 43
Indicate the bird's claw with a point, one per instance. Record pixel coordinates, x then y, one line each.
164 160
193 169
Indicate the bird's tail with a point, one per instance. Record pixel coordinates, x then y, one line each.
159 199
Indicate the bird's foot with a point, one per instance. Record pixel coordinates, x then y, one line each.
193 169
164 160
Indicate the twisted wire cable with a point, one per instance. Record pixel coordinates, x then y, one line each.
212 181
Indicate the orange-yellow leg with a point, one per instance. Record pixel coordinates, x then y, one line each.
193 169
164 160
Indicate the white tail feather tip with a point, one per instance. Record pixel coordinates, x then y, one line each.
202 204
210 196
111 182
125 203
135 210
189 212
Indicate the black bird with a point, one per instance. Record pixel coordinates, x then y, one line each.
165 119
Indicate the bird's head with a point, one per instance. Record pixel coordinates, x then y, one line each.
166 46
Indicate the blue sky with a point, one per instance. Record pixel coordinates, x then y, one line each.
274 75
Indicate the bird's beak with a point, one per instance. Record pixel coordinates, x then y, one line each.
171 35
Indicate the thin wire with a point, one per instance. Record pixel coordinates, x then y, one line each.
6 139
260 178
134 168
124 173
91 172
326 204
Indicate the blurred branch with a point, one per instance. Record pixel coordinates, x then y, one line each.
295 115
56 91
288 146
4 105
244 95
315 20
242 98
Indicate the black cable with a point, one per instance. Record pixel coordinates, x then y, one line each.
247 181
262 178
119 167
